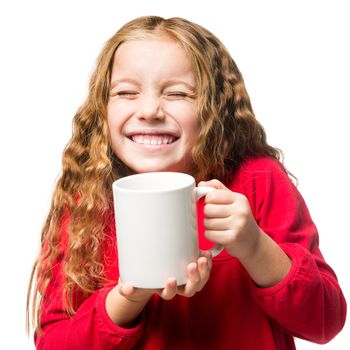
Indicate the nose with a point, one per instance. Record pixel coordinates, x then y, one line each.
150 107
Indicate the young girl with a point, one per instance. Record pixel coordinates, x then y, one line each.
167 96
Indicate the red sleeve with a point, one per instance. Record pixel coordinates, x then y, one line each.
89 328
308 303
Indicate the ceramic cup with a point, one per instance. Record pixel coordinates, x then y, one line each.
156 224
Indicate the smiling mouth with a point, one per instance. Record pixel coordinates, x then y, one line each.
153 140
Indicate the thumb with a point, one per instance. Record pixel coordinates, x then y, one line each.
213 183
125 289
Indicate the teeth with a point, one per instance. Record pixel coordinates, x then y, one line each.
153 140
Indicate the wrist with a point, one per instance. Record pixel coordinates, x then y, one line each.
267 264
256 245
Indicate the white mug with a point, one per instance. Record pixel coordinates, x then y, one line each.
156 224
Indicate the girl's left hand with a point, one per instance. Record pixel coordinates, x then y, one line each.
229 221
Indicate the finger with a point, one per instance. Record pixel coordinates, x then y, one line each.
220 197
169 290
217 210
207 254
125 289
193 283
217 224
204 270
224 237
213 183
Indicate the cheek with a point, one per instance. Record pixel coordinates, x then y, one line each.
116 116
185 115
110 116
114 125
110 122
190 124
192 127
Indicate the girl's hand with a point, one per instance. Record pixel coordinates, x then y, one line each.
124 302
229 221
198 275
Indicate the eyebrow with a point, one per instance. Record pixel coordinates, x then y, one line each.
179 81
168 83
123 80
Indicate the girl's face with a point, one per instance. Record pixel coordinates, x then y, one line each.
152 106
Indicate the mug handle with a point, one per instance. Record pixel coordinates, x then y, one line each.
201 192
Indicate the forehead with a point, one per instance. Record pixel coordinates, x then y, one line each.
153 54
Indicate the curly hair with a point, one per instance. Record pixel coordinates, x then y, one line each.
229 132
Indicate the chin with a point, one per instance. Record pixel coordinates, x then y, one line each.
155 168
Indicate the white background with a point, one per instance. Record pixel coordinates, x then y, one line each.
295 60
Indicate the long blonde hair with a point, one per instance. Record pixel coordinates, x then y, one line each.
229 132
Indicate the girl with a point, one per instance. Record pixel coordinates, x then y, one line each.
167 96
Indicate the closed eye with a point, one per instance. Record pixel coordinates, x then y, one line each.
124 94
178 95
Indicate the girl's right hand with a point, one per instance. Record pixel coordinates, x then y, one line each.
198 274
124 302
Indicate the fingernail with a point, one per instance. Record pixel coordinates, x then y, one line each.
203 262
193 267
172 282
121 290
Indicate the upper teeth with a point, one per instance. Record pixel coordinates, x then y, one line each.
153 140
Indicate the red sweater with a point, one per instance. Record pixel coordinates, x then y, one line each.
230 312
